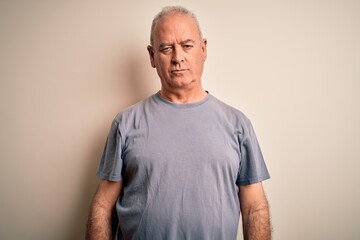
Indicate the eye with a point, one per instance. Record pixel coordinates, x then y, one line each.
166 49
187 46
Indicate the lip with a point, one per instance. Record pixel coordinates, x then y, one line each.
179 70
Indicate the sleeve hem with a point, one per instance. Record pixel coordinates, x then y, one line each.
113 178
248 181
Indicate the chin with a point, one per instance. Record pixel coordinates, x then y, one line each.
181 82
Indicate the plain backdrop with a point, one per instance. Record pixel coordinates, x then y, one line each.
68 67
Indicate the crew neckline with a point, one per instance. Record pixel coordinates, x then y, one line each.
183 105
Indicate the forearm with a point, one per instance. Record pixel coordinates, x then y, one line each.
256 222
99 225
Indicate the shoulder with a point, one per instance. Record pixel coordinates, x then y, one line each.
230 113
128 116
132 110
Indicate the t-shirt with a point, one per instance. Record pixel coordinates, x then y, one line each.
181 165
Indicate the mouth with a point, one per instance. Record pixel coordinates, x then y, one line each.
179 71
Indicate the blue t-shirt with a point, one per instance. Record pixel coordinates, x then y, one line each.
181 165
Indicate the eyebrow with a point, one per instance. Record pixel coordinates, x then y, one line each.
187 41
165 44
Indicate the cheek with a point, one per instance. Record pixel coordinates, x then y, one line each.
162 66
161 62
198 64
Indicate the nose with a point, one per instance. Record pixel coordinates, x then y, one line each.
177 56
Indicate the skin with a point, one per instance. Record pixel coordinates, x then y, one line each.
255 212
102 222
178 54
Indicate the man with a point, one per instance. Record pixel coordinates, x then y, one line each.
180 164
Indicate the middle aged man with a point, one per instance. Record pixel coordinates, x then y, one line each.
180 164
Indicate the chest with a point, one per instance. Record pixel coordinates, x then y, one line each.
184 145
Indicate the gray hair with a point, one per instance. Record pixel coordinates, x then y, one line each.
166 11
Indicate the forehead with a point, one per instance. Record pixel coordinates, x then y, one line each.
176 27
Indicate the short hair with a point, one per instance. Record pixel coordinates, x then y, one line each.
166 11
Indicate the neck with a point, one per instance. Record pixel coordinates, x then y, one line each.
183 96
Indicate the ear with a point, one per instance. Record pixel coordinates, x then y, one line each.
204 48
151 55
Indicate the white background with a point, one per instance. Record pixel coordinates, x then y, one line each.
67 68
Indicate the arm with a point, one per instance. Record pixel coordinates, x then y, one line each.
255 212
100 224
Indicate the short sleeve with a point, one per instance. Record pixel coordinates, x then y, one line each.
252 167
111 162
